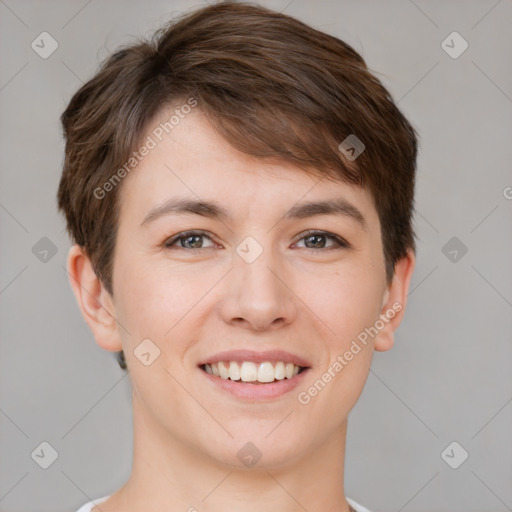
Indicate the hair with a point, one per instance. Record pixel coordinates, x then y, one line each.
270 85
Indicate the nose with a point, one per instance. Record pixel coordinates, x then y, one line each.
259 296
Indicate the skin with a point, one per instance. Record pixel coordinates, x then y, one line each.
299 295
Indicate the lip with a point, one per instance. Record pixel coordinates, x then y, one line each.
256 357
256 392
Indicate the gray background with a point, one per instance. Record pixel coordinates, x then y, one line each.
448 377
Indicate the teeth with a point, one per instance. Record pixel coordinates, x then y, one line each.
234 371
223 370
248 371
266 372
279 371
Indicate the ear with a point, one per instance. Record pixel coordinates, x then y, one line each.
395 300
96 304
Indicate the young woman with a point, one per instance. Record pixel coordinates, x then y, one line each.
239 191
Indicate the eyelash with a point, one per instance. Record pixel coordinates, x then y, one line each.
342 244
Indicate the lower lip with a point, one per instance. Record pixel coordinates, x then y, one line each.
250 391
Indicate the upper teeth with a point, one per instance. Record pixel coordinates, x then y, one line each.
251 372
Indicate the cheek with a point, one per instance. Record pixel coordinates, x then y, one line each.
347 303
154 299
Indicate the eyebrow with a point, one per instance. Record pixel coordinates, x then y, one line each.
214 210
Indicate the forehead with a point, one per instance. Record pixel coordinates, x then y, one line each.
188 158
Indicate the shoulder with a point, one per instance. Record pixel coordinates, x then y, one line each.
91 504
352 503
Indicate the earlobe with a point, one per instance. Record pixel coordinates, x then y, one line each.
394 303
93 299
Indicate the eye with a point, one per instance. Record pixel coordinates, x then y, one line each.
188 240
315 240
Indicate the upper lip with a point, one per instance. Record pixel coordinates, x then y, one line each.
256 357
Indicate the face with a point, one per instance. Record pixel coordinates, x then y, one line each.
255 273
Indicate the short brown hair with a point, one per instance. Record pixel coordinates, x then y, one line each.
272 86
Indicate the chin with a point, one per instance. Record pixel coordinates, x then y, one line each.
260 451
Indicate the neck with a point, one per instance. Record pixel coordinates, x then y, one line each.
169 474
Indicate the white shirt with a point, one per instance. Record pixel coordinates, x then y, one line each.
89 506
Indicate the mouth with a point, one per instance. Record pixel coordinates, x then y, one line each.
249 372
254 375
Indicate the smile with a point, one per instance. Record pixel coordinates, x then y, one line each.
248 371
